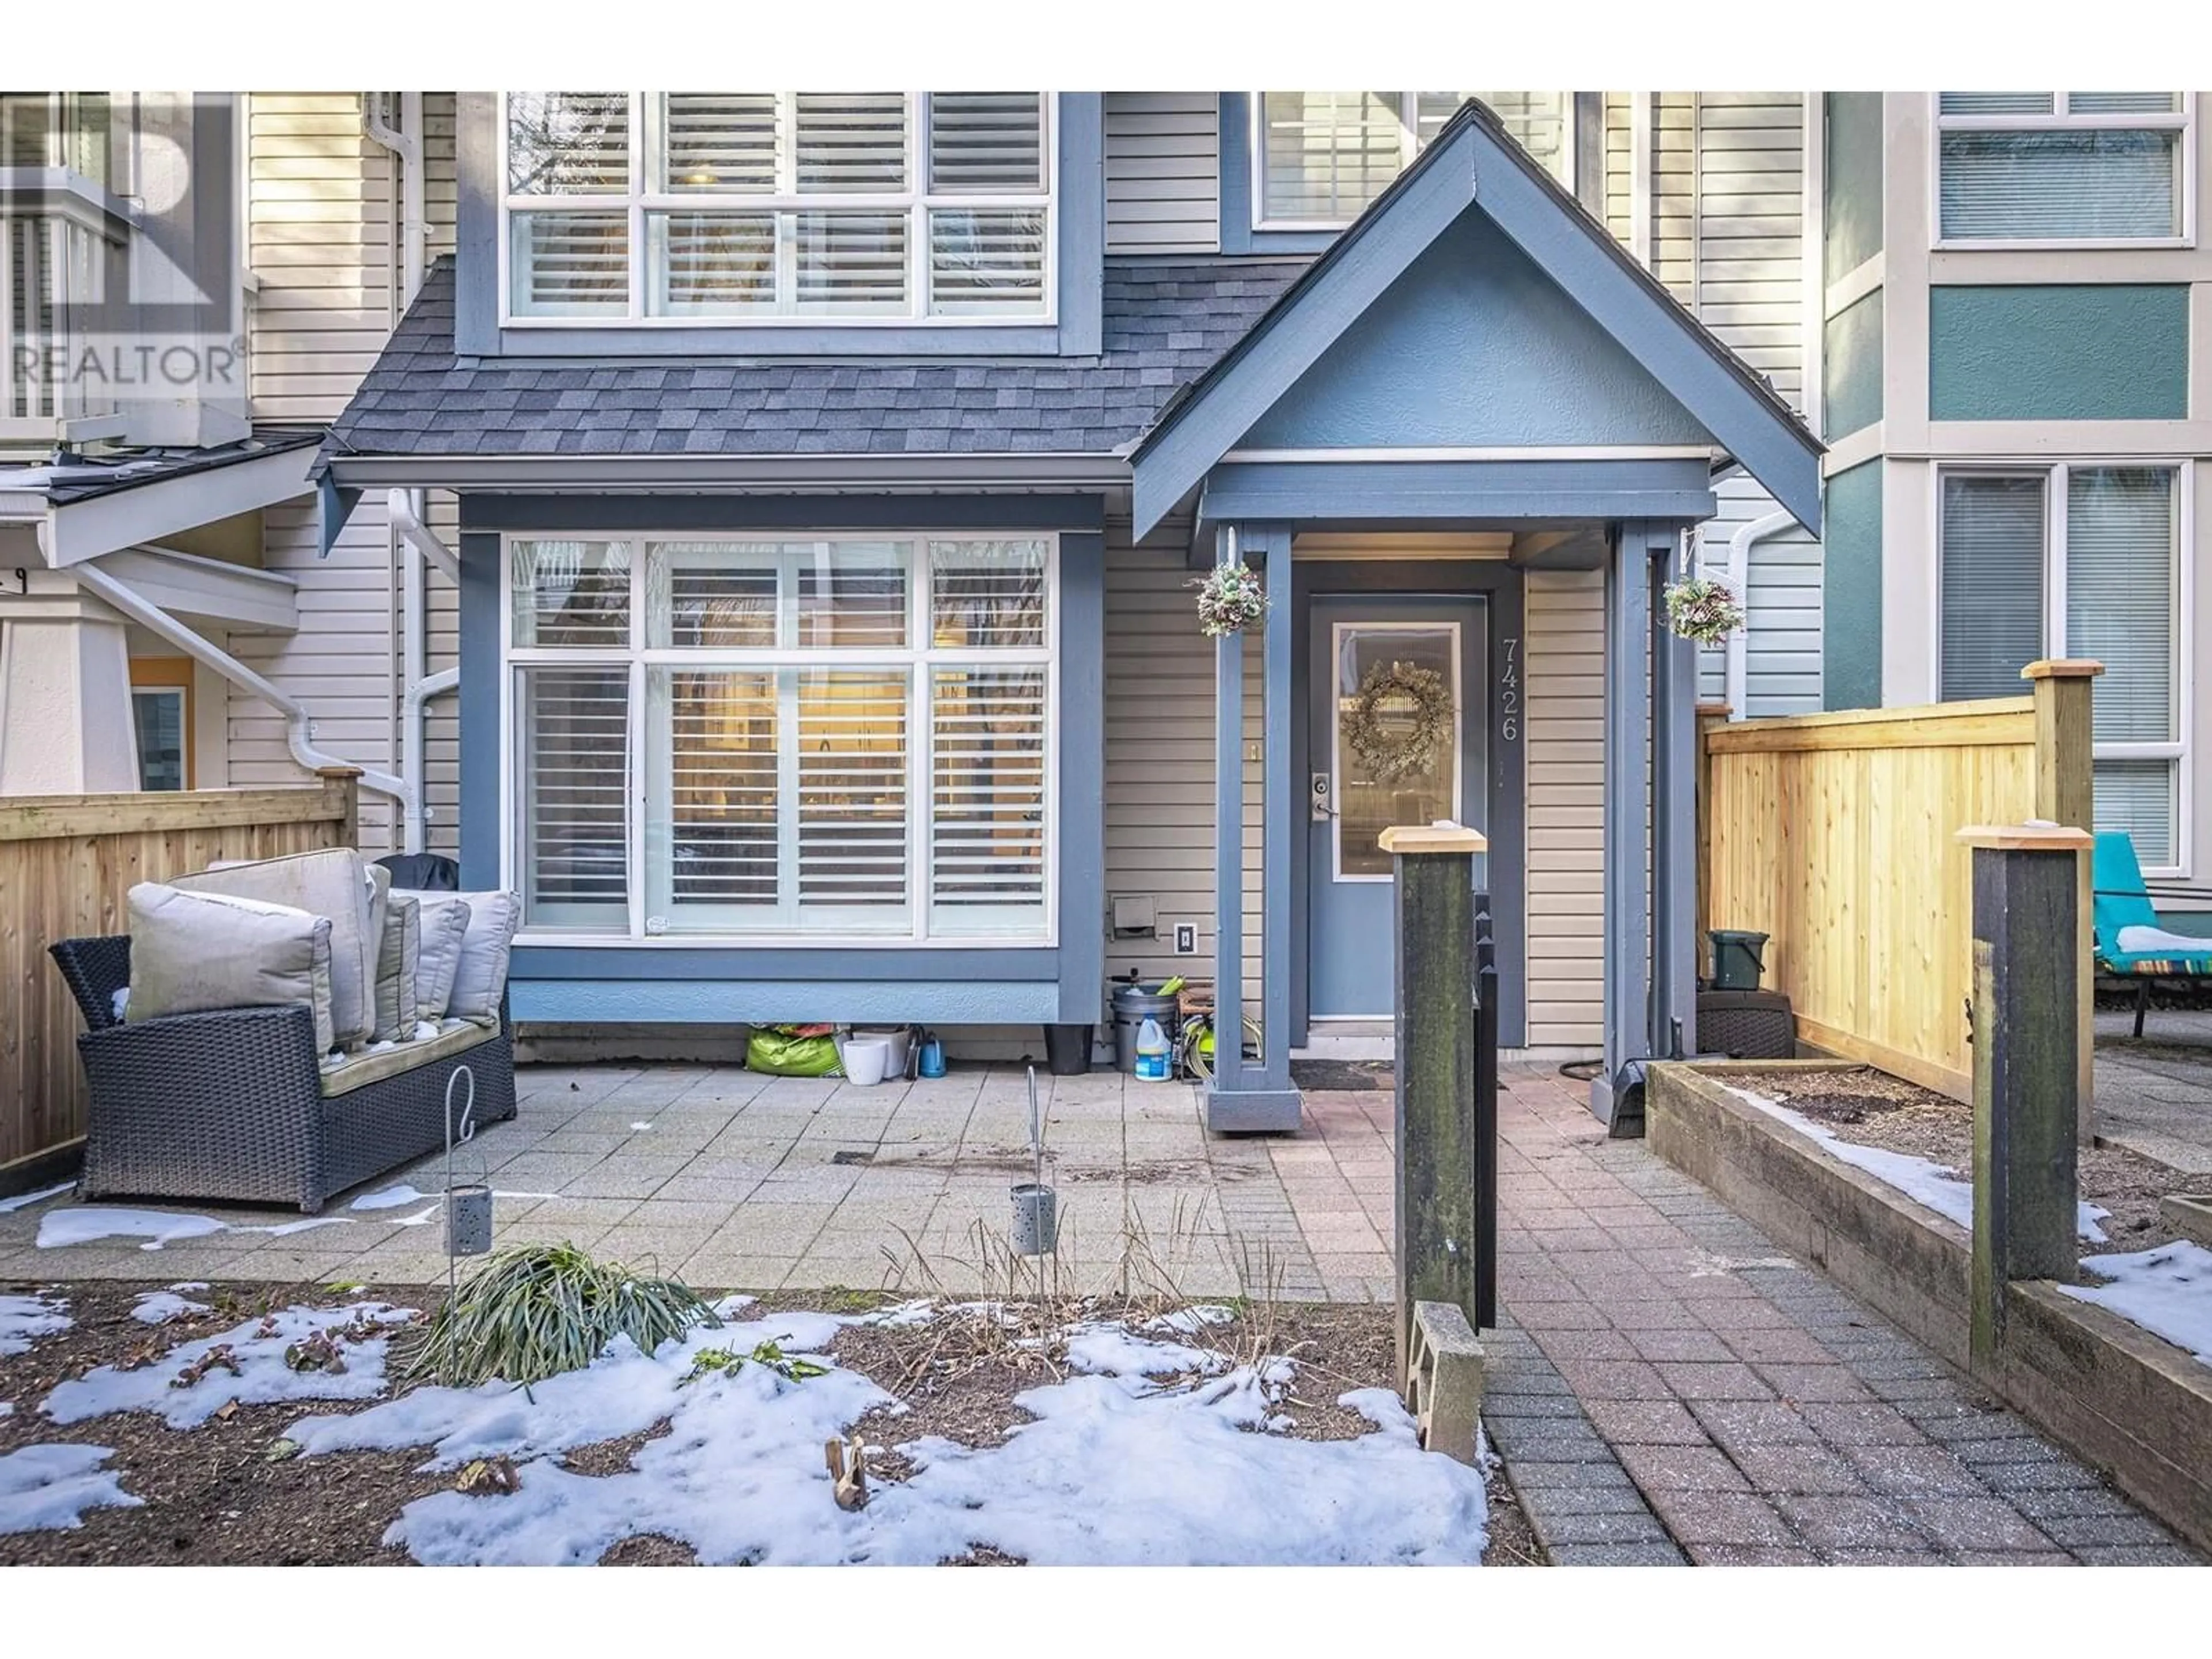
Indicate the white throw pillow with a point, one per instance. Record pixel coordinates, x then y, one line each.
480 980
398 964
438 950
196 953
333 883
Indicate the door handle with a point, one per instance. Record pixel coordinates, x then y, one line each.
1320 798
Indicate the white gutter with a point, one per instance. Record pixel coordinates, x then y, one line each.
297 724
403 513
404 510
1738 678
404 141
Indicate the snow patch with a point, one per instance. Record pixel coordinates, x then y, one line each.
262 1378
82 1224
390 1198
159 1307
2166 1290
1920 1179
23 1319
1106 1349
24 1200
640 1127
1189 1322
46 1488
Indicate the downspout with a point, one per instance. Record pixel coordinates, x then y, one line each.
1738 675
404 512
297 737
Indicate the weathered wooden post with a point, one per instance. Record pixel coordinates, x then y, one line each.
2061 687
345 781
1437 1223
2027 1036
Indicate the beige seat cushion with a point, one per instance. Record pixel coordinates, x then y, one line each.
333 883
438 952
198 952
480 981
342 1074
398 963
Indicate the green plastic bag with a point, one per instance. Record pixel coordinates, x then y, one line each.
777 1051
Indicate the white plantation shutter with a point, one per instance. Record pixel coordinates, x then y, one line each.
722 595
568 144
713 848
987 853
848 594
988 593
711 263
723 141
852 768
569 264
985 144
571 593
987 262
573 727
1992 551
1327 154
850 262
850 143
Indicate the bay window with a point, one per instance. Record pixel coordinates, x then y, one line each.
2063 166
1321 157
766 207
843 739
2077 561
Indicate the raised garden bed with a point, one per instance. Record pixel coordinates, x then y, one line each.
2136 1406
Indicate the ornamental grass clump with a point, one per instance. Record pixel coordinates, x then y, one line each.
539 1310
1702 609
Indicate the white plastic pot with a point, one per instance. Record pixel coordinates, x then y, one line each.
894 1039
866 1061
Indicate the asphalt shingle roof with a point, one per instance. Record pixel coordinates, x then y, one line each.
1165 322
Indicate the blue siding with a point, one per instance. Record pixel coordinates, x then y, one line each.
1851 361
1473 345
2105 351
1411 494
951 985
1851 597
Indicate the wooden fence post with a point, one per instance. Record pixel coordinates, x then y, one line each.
2065 794
1709 715
1437 1223
2027 1188
346 780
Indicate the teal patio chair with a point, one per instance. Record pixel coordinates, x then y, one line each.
2130 943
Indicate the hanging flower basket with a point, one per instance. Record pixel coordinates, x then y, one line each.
1230 599
1702 609
1397 719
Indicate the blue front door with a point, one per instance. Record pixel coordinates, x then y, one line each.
1385 749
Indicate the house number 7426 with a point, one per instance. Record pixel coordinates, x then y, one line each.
1509 692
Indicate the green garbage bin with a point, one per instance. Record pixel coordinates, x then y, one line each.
1738 959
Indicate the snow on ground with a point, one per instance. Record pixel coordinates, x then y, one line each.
1115 1469
23 1318
24 1200
1189 1321
159 1307
262 1377
390 1198
88 1224
1918 1178
43 1487
2166 1290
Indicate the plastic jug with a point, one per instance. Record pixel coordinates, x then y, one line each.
1152 1051
932 1056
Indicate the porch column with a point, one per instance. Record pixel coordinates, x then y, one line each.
65 721
1254 1095
1673 823
1628 622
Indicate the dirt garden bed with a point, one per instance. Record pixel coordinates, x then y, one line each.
231 1491
1873 1108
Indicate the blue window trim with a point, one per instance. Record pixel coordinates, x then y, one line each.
1079 202
1237 235
962 984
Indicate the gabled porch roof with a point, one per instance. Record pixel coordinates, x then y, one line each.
1477 250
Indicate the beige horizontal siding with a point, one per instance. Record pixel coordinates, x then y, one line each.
1565 625
1162 165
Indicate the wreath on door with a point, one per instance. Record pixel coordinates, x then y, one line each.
1399 716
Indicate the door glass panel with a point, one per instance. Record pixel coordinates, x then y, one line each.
1397 761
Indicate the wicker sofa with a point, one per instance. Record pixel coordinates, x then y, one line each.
235 1104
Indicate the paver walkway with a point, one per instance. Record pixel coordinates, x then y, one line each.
1661 1356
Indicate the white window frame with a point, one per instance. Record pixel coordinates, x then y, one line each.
2181 590
918 657
1409 146
914 203
2183 121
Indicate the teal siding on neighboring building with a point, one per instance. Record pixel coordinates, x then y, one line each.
1850 633
1852 186
2104 351
1851 359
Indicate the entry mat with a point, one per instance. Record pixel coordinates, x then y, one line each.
1325 1075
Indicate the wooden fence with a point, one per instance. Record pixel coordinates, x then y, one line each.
66 862
1835 835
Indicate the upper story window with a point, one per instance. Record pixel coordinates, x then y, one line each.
769 207
2063 166
1319 158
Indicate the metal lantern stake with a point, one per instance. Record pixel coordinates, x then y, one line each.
1036 1206
467 1205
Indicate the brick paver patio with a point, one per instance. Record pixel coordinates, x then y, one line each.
1661 1358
